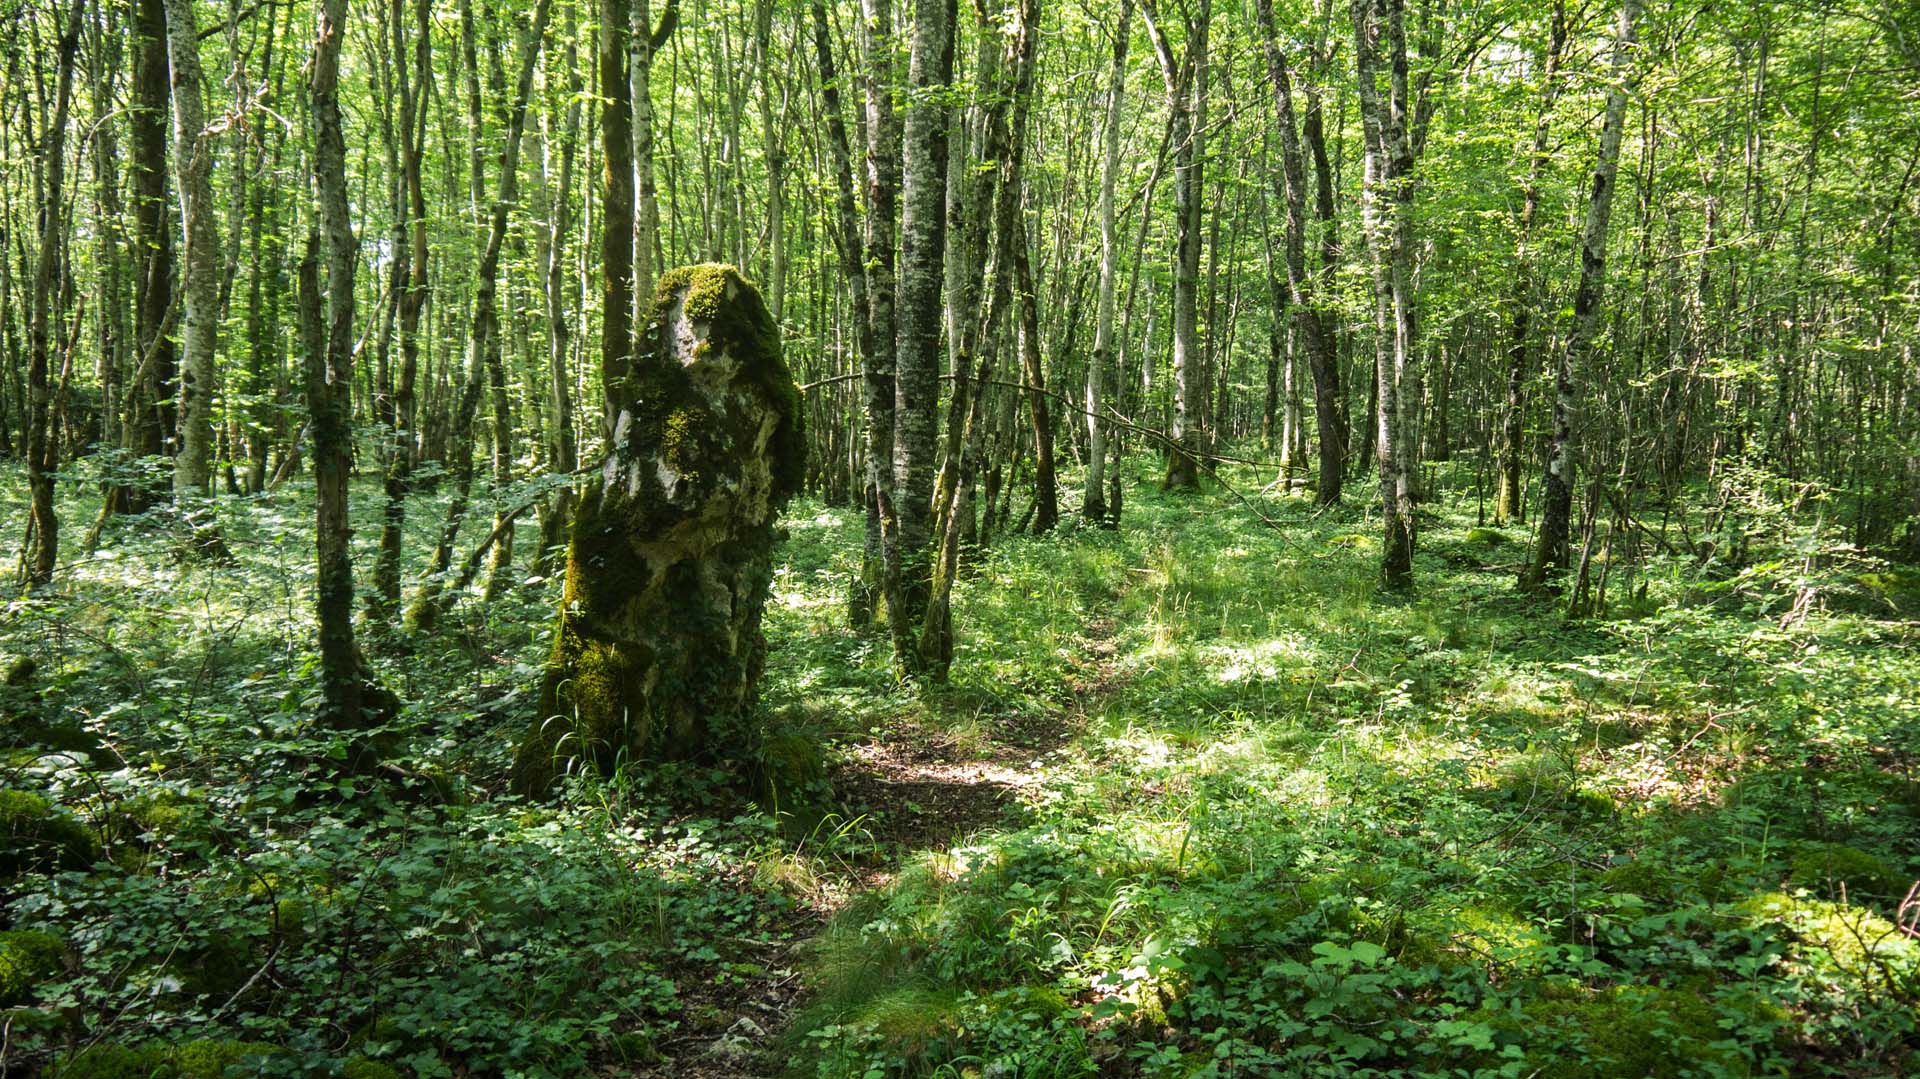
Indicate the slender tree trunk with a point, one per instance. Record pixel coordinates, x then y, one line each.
1046 500
43 525
1386 213
564 456
847 240
1507 502
917 349
194 149
1186 111
1006 142
645 42
1093 506
616 206
352 702
882 183
1551 554
483 360
410 234
1329 397
149 413
1313 335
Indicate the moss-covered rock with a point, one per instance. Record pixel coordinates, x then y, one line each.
658 648
26 959
36 836
1486 537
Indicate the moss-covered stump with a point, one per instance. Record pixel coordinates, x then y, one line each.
658 645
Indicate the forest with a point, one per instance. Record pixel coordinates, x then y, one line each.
909 539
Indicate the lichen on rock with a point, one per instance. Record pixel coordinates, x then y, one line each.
658 646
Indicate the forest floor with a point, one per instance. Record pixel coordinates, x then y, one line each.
1198 801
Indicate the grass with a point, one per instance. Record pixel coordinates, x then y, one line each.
1198 802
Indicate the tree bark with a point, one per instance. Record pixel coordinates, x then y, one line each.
43 524
1093 505
883 162
352 702
1551 554
917 345
193 149
1507 502
1186 118
1386 215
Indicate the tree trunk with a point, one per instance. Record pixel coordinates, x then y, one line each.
149 411
1329 399
1386 214
1093 506
878 370
645 41
352 702
917 348
1186 117
1312 333
483 361
43 525
564 456
1507 502
1551 555
410 232
193 148
847 240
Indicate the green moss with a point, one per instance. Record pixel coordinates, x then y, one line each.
211 1059
1648 880
36 836
26 959
1854 940
1573 1032
1486 537
107 1061
1830 866
363 1068
741 325
206 1058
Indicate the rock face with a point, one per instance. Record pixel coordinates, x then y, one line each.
658 645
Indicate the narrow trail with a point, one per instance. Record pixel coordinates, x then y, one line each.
912 789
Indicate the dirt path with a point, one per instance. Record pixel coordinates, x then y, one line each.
917 787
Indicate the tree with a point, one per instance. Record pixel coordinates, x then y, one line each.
1093 504
1507 495
194 151
1550 553
43 546
1387 219
1312 334
1185 78
917 347
352 700
483 357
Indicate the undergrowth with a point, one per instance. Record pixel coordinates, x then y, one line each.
1278 824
